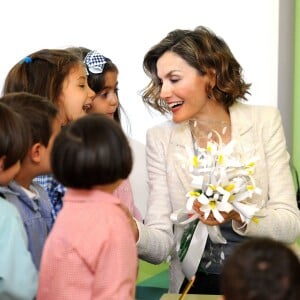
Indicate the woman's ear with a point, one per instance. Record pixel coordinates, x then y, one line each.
212 75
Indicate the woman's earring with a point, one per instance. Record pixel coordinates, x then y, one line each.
209 91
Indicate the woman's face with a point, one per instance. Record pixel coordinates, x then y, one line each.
106 101
76 97
182 87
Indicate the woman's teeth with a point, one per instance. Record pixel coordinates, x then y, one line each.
174 104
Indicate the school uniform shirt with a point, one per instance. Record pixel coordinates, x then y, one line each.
35 208
55 192
259 132
18 275
90 252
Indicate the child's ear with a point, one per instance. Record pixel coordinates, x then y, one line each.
35 152
2 159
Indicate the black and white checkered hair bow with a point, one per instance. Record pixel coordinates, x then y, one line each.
95 62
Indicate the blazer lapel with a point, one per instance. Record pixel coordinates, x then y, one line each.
181 151
242 125
241 120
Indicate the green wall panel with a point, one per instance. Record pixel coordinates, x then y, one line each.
296 110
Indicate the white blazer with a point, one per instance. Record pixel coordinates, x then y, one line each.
259 132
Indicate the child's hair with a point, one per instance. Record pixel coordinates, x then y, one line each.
96 81
90 151
14 135
261 268
42 73
38 111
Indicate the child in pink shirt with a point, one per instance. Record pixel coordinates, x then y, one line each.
90 252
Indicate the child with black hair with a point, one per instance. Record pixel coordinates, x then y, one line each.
261 268
29 197
90 252
18 275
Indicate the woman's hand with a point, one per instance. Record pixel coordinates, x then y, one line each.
211 220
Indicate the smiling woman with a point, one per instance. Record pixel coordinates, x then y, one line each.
195 77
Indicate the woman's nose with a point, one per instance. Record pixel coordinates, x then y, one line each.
165 91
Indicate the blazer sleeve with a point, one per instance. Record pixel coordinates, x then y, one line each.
280 217
156 235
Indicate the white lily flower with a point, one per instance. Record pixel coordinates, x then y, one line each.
246 211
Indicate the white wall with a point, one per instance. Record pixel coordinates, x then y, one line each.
125 30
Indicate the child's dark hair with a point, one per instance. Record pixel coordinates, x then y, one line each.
90 151
42 73
15 135
38 111
96 81
261 268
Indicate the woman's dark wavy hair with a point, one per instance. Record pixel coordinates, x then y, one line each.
204 51
93 150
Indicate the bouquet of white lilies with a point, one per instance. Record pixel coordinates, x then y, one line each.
221 182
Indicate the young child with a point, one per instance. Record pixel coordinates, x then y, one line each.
18 275
29 197
103 80
60 77
261 268
90 252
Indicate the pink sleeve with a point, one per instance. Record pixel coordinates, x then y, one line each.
124 193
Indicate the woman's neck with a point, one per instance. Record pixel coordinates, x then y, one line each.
214 111
213 123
